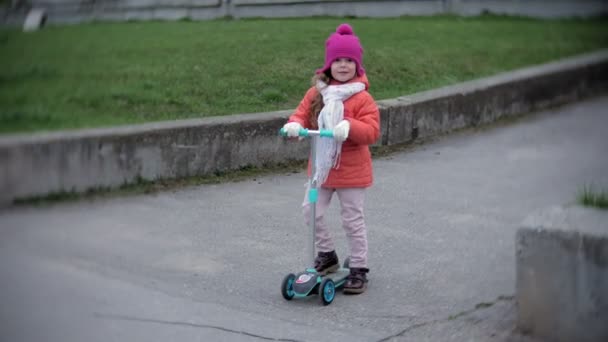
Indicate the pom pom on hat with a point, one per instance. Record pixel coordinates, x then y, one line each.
343 44
344 29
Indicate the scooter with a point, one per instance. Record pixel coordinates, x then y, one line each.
310 282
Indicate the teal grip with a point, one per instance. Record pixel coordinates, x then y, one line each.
327 133
303 132
313 195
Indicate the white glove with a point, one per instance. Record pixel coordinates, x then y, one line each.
341 130
292 129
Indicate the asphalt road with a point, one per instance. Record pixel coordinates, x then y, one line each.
205 263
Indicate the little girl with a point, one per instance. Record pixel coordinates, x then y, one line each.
339 101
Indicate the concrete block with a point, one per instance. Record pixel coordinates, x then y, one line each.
34 20
562 274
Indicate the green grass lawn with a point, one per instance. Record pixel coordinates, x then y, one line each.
103 74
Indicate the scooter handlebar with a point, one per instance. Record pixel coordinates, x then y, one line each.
304 132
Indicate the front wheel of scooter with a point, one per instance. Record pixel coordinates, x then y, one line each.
287 286
328 291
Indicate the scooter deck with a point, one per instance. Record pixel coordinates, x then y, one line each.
339 277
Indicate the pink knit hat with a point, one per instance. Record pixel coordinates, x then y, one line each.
343 44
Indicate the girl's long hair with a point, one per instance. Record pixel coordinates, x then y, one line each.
317 103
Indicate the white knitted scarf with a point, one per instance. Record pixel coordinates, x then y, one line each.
328 150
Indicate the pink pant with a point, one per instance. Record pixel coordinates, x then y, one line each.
351 202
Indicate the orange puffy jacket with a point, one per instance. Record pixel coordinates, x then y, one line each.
355 165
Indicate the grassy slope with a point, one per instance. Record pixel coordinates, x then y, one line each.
116 73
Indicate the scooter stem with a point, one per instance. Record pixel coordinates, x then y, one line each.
313 195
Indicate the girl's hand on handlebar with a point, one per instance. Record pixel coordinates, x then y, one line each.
292 129
341 130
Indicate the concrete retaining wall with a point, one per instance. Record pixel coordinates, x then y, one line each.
482 101
395 8
36 165
72 11
562 274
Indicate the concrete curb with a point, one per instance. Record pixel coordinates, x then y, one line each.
41 164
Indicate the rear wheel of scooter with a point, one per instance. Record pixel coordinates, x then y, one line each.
327 291
287 286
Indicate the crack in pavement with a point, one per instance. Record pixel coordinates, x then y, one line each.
187 324
479 306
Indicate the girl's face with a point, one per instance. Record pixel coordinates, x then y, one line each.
343 69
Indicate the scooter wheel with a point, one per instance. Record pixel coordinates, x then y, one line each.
328 291
287 286
347 262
